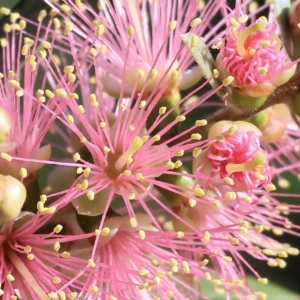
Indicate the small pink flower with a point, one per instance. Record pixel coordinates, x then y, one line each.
234 156
142 39
35 260
253 55
25 99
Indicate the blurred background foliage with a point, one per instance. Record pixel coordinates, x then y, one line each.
288 278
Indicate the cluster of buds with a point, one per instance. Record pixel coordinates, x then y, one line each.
107 190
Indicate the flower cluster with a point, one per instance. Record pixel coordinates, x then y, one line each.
110 188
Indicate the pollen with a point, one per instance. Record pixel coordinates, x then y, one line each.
199 123
172 25
196 136
192 202
262 280
130 30
90 195
91 263
180 234
196 152
162 110
228 80
133 222
206 237
144 272
185 267
142 234
9 277
58 228
56 279
56 246
23 173
195 22
28 249
105 231
66 254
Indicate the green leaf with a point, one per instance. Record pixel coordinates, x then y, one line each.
203 58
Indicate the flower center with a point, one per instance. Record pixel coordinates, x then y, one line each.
117 161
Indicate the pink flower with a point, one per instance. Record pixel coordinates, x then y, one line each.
29 107
253 55
34 259
142 40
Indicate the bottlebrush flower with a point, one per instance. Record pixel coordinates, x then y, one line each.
26 113
153 48
131 262
34 259
251 54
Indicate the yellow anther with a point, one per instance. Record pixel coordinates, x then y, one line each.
28 249
30 256
185 267
130 30
199 192
207 276
179 152
133 222
173 261
227 81
180 234
56 246
216 282
66 254
69 69
196 136
270 187
262 280
60 93
206 237
14 83
234 241
227 259
90 195
23 173
172 25
203 263
196 152
228 180
144 272
91 263
58 228
9 277
76 157
105 231
49 94
230 195
195 22
192 202
269 252
180 118
142 234
201 123
56 279
155 262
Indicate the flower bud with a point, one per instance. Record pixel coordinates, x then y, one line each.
12 198
253 56
234 153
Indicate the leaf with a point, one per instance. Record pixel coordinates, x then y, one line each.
202 57
282 8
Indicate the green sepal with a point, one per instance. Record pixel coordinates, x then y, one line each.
187 182
90 223
247 102
260 120
169 101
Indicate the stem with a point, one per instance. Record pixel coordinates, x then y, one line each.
26 274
